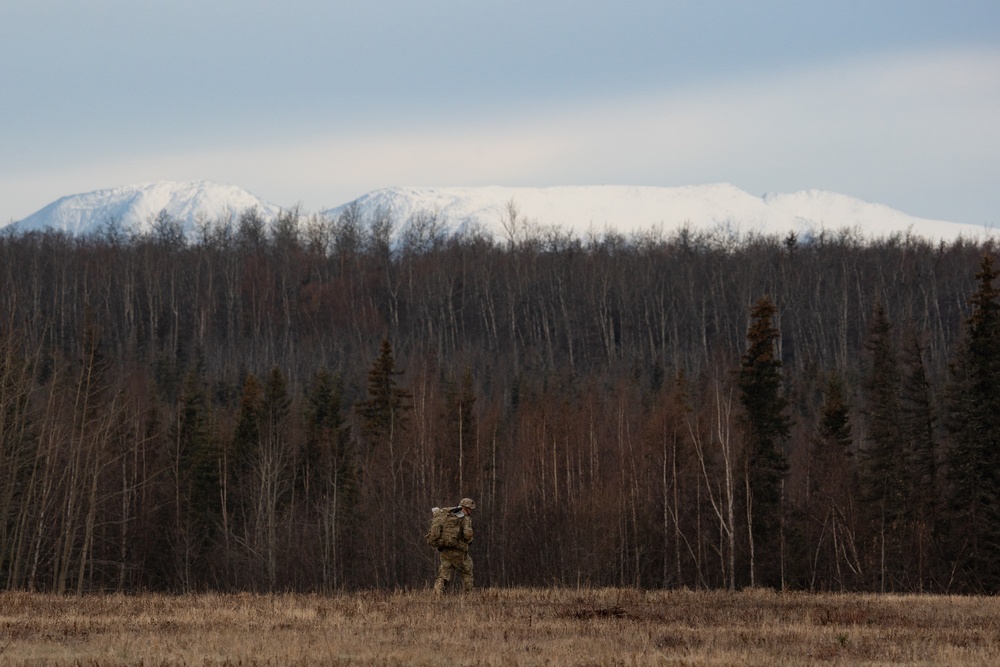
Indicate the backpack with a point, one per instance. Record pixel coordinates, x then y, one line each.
446 528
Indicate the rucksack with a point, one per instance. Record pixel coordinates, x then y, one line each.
446 528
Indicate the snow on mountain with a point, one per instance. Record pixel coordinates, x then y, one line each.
136 207
626 210
580 211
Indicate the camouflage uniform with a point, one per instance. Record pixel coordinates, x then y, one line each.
457 558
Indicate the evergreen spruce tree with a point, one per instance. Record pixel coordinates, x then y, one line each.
247 437
329 477
329 458
197 481
973 423
834 422
766 428
832 488
832 476
885 463
918 429
277 406
383 423
197 449
384 412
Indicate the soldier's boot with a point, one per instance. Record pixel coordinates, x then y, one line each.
439 587
466 584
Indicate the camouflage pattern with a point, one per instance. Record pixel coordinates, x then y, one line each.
456 559
446 528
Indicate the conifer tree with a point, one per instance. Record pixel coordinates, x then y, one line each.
766 427
882 450
885 462
329 476
832 476
974 427
239 461
328 462
918 426
832 488
384 412
918 429
197 448
247 437
835 422
277 406
384 422
197 479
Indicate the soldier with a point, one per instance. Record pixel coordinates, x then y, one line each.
458 558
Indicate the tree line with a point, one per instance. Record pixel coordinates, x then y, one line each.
277 407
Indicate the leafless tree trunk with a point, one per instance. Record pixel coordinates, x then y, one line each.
722 502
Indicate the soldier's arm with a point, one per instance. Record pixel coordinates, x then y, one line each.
467 528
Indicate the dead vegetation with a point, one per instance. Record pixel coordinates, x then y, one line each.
500 627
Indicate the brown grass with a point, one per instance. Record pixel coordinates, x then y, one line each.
501 627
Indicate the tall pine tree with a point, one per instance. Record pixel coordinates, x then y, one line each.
973 422
918 428
384 423
196 476
766 428
831 491
885 463
328 476
384 412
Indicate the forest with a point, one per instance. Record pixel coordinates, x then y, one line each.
277 407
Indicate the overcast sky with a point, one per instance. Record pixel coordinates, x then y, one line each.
315 102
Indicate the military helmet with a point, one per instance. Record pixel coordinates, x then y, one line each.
467 502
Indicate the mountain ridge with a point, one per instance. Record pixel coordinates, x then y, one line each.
641 209
579 210
135 207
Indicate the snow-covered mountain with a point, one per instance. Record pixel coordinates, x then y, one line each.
580 211
136 207
627 210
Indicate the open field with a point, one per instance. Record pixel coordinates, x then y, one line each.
500 627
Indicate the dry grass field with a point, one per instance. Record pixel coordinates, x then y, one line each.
500 627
